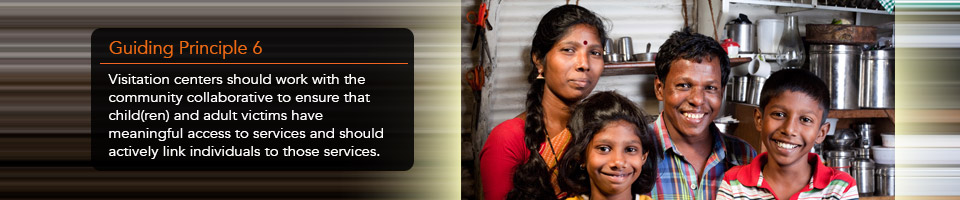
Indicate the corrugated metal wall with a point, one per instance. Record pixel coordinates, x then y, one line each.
514 22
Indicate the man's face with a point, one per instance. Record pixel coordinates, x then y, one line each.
691 95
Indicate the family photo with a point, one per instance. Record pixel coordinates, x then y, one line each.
677 100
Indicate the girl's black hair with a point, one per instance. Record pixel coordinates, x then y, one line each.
589 118
532 178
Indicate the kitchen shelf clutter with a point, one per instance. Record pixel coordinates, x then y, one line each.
784 7
627 68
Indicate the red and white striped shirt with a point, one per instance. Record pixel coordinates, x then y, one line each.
746 182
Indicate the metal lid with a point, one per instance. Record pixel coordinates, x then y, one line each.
878 55
843 153
886 170
834 48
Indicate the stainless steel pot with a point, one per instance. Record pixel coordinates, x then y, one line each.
876 79
838 66
840 160
744 34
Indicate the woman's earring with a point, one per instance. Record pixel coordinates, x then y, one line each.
583 167
540 76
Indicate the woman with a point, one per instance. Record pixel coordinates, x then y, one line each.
518 159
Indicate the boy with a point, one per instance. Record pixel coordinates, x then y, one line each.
793 107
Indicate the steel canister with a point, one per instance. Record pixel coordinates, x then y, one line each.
876 79
840 160
863 172
838 66
885 180
740 85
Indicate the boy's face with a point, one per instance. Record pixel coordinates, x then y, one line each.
691 93
614 158
790 125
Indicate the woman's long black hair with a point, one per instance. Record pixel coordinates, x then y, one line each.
589 118
532 178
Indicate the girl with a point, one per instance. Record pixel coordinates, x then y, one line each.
610 157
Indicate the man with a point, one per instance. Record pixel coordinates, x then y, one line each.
692 72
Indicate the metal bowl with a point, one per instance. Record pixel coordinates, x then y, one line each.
646 57
843 139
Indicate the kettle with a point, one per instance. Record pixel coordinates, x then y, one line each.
742 31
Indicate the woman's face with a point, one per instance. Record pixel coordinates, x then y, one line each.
614 159
571 68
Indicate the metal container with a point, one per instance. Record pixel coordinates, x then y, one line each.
744 34
646 56
865 132
608 46
838 66
886 180
862 153
626 49
612 58
876 79
843 139
840 160
754 85
740 85
863 171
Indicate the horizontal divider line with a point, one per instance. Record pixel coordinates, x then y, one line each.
254 63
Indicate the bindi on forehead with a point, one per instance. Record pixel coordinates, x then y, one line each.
584 42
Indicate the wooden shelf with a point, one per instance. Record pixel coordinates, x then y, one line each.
861 113
648 67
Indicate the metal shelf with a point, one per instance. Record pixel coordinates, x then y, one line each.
787 7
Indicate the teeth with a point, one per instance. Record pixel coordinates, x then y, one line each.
693 116
619 175
787 146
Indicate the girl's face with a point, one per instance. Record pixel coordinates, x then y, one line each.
574 64
614 159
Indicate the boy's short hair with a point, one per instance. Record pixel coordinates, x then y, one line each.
796 80
687 45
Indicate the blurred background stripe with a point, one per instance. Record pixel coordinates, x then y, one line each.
45 105
928 99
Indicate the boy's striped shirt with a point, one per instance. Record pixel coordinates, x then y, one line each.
746 182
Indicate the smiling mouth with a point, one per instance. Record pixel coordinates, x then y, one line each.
618 176
785 145
696 116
